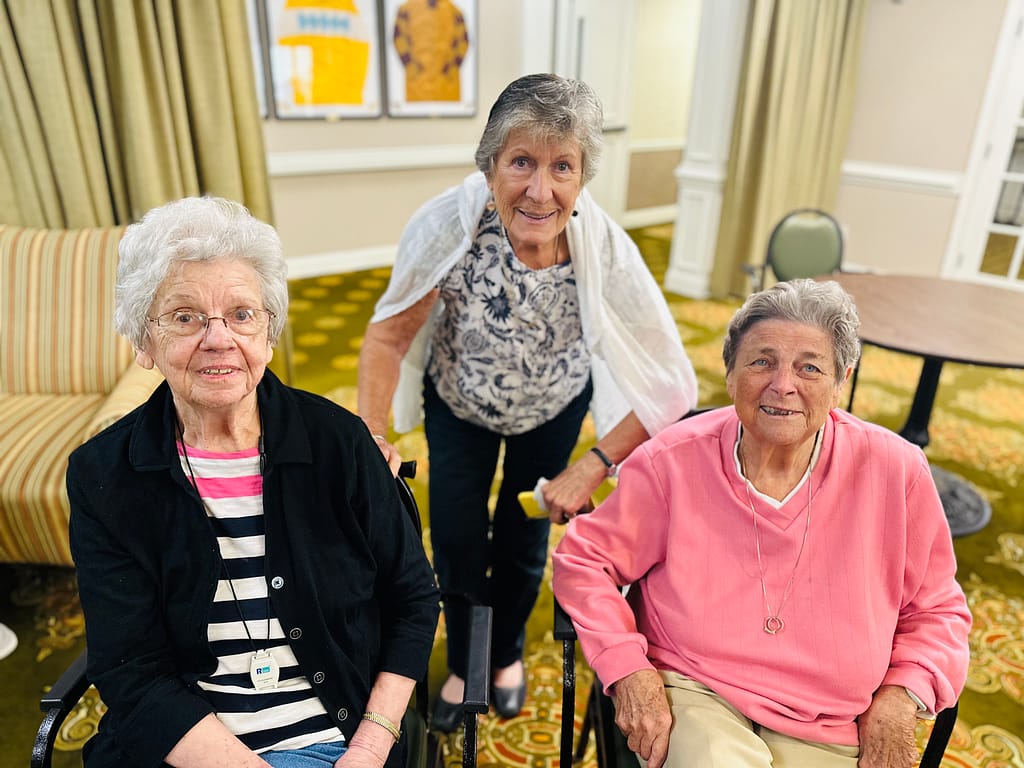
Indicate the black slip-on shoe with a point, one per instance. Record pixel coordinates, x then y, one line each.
446 717
508 702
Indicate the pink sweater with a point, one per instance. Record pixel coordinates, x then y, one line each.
874 599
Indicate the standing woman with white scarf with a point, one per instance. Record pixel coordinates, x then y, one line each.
515 306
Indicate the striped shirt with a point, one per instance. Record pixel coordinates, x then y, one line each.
243 621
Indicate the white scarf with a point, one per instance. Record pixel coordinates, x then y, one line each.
638 361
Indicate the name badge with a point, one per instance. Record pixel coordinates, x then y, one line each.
263 670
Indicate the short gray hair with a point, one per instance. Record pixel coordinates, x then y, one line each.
549 108
823 305
198 229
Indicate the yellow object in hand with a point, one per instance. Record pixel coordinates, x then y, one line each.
531 506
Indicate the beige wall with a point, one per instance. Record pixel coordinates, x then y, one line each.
333 213
652 181
666 51
923 72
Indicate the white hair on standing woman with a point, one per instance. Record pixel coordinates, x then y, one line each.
548 108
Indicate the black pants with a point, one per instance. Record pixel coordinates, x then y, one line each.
497 562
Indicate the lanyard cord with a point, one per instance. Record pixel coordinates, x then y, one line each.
223 564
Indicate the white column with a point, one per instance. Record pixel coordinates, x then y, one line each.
701 176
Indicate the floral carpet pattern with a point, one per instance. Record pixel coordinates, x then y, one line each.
977 432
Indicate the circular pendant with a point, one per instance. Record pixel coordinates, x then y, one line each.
773 625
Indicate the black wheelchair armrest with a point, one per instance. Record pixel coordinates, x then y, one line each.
55 705
476 699
563 628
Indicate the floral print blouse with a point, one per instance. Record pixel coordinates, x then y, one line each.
508 352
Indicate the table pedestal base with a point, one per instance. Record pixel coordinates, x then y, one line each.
966 510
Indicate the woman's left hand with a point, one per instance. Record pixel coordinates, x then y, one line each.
569 493
643 715
886 730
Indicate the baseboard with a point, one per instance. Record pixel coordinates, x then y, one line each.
340 262
648 217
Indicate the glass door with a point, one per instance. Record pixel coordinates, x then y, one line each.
987 242
1004 250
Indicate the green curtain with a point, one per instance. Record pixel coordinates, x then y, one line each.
111 107
791 122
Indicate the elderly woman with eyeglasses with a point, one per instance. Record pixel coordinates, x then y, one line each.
254 592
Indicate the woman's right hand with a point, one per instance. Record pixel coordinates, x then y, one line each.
643 715
391 454
357 756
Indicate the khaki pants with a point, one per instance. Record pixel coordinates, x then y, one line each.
707 732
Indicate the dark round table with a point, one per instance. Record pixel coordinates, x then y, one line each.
940 320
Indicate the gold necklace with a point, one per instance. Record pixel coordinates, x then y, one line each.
773 623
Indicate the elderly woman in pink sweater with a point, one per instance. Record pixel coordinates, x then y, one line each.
792 596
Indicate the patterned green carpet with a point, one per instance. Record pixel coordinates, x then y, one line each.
977 431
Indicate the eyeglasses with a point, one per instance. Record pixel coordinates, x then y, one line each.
245 321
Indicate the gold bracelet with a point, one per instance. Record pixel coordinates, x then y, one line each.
379 438
384 723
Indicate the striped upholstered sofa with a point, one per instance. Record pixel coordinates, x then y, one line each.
64 375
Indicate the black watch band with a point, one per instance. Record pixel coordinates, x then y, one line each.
610 468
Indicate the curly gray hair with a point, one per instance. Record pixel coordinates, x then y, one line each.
823 305
548 108
195 229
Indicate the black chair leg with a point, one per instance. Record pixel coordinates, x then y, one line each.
586 728
568 702
939 738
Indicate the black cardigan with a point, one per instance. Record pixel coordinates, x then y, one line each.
348 577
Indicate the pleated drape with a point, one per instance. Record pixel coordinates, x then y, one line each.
790 127
111 107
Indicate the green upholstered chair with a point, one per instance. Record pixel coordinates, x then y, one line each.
807 242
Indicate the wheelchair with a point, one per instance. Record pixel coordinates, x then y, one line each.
599 716
423 748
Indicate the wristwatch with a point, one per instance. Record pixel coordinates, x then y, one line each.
610 467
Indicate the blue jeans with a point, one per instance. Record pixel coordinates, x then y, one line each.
313 756
497 562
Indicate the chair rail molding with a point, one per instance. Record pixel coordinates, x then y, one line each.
902 178
312 162
639 146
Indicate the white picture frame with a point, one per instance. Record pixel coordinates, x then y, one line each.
430 58
324 63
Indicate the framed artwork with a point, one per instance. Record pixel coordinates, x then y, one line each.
324 58
430 57
256 45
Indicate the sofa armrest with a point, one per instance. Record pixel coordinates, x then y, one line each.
131 390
